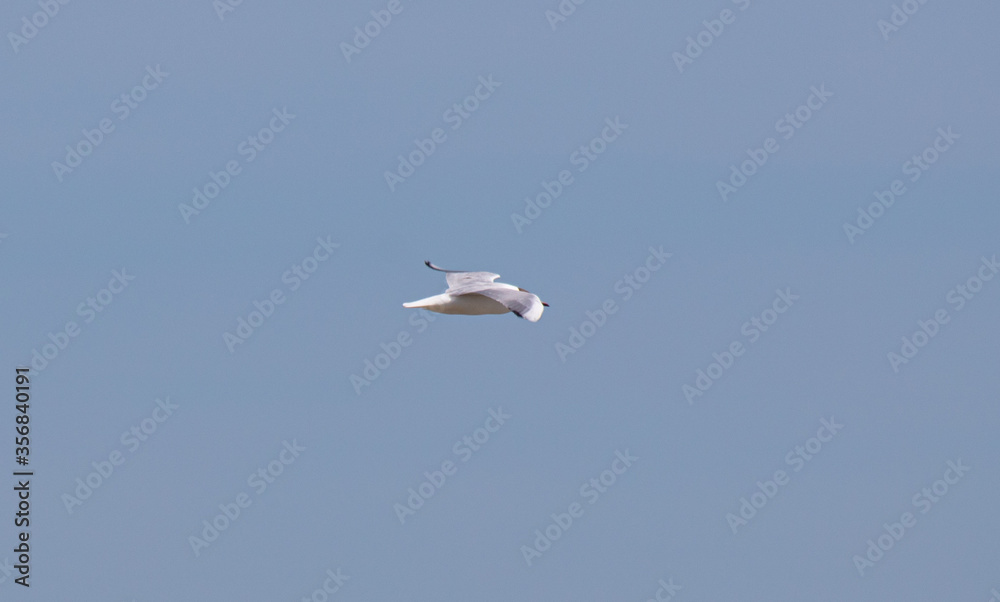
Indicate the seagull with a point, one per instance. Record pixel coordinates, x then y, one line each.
475 294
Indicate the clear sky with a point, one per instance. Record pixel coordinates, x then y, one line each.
767 233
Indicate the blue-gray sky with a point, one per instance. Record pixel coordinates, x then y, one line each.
648 370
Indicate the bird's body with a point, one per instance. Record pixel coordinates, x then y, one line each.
472 304
476 294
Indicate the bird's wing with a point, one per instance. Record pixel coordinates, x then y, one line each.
524 304
457 279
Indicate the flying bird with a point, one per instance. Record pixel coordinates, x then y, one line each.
475 294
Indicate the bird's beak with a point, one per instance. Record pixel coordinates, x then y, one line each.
545 304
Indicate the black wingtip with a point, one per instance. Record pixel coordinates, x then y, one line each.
434 267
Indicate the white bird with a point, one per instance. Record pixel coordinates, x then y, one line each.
475 294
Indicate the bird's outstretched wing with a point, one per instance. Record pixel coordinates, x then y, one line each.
524 304
457 279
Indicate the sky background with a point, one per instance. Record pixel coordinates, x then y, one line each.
361 448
